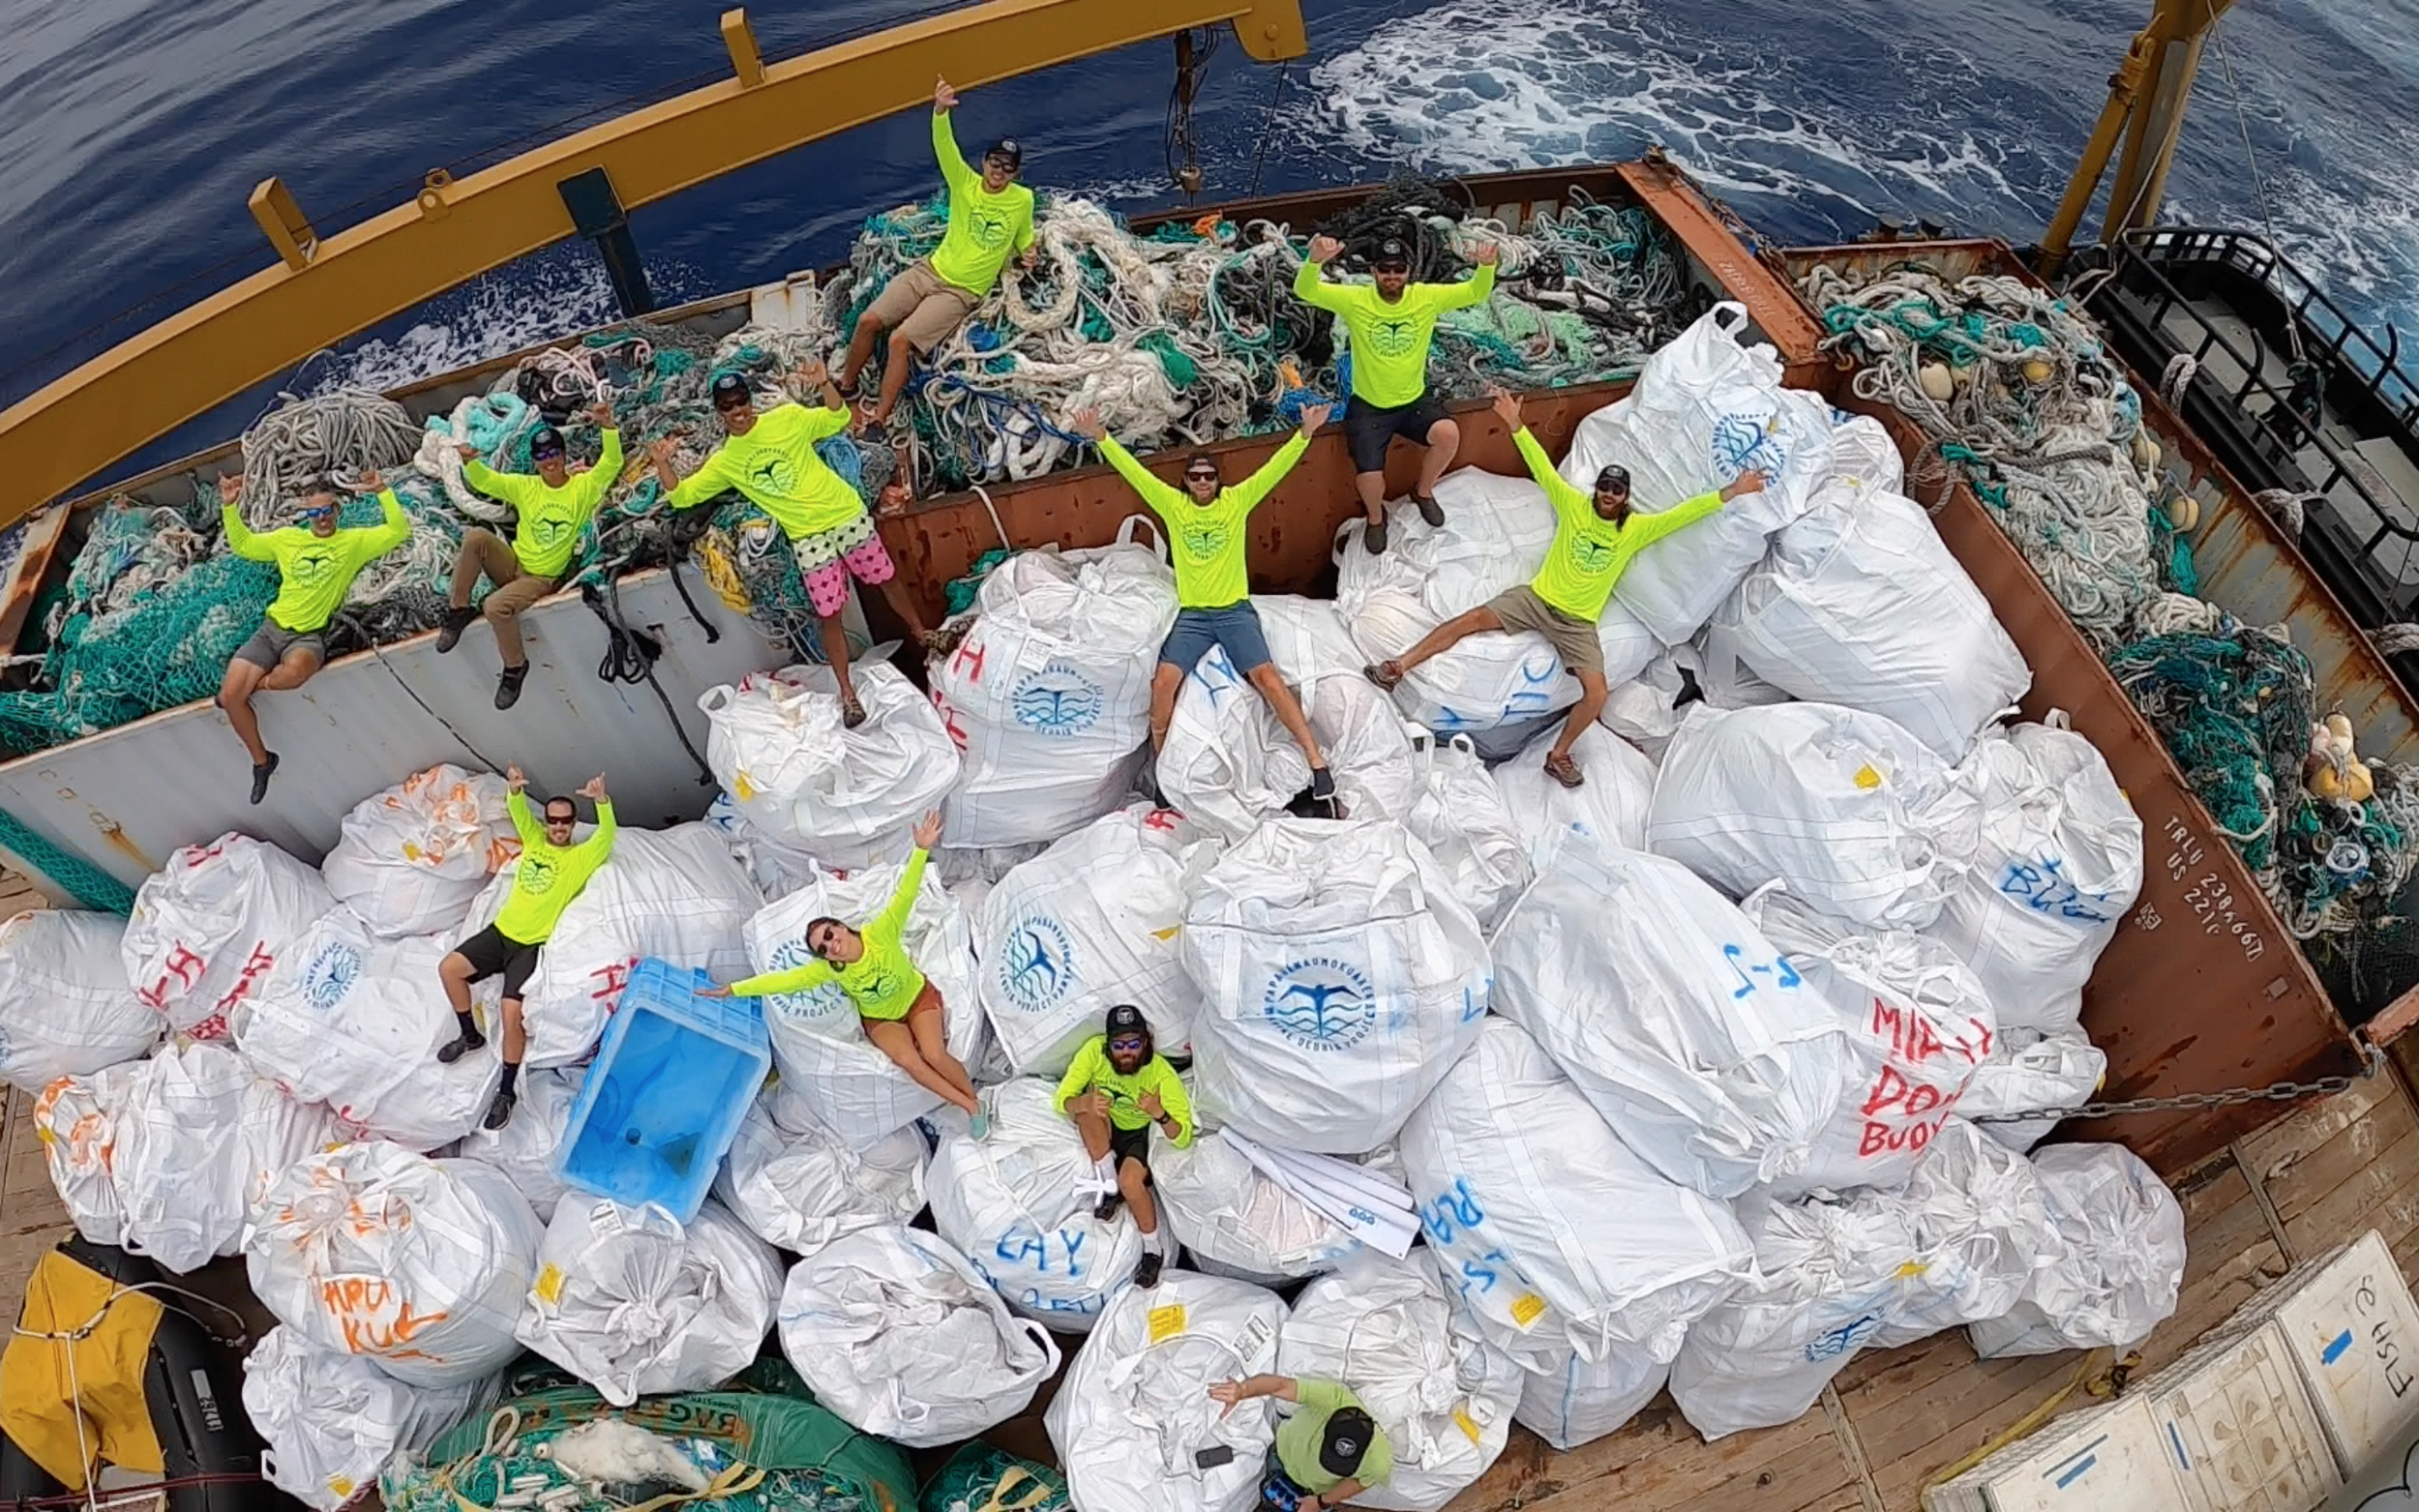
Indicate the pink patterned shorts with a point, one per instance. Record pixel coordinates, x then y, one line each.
830 558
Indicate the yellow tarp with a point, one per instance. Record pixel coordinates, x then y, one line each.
51 1387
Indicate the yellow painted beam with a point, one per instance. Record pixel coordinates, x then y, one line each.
326 287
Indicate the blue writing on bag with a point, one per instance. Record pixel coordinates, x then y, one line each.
2044 889
1455 1212
1776 971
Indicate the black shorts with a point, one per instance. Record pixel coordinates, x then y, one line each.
1369 429
1133 1144
490 951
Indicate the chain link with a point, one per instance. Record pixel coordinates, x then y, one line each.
2273 1093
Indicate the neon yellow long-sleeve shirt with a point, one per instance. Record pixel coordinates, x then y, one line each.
314 572
883 982
550 876
547 525
776 469
1094 1071
1391 340
1591 553
984 227
1209 538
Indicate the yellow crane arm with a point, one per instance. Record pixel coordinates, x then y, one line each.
326 289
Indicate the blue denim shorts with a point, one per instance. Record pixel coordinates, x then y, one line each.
1236 627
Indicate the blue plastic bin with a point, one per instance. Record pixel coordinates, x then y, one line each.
663 1100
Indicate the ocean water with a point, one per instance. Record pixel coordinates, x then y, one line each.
132 131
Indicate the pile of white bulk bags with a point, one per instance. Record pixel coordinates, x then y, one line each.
802 1189
1497 1157
419 1266
529 1147
848 797
1236 1219
1228 763
412 858
832 1077
675 894
637 1303
2059 863
1567 1400
2027 1069
1442 1395
2123 1265
1611 805
1048 690
1133 1418
1842 806
66 1007
209 927
1341 978
1690 1034
330 1422
897 1333
355 1022
1019 1204
1086 925
1705 410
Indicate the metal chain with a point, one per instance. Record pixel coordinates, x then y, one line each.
2273 1093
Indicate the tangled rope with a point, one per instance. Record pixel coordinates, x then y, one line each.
333 438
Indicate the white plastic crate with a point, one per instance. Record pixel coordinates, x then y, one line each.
2353 1331
2108 1458
2238 1426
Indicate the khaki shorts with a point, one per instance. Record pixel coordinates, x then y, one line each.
1576 641
921 305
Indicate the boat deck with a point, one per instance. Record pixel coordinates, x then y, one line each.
1894 1420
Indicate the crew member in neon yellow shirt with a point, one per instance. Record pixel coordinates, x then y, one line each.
1596 537
1207 533
770 459
551 872
991 216
900 1009
550 508
1119 1089
1329 1449
1393 321
316 564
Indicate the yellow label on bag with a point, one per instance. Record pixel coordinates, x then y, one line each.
1527 1308
1866 778
740 788
340 1487
1910 1270
1466 1423
549 1286
1166 1322
1170 933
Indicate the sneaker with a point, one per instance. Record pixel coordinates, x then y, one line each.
1322 785
1146 1269
1429 510
508 686
459 1045
449 633
1374 538
1387 675
499 1113
260 776
1565 771
1109 1206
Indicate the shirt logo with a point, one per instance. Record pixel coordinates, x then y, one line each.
546 532
1205 540
990 230
879 985
1321 1005
1036 963
330 975
312 564
1589 555
536 877
1393 337
773 475
1056 699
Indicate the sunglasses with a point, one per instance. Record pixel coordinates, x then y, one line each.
318 512
1127 1042
1202 475
561 820
554 455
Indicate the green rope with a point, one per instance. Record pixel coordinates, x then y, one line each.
87 883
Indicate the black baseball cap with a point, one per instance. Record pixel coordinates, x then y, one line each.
1126 1019
730 386
1347 1435
547 442
1006 151
1613 475
1392 254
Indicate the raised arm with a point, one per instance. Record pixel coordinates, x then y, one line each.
517 805
1262 482
894 913
953 167
694 489
770 984
1689 512
600 478
1310 284
494 485
1475 288
393 526
1162 498
240 539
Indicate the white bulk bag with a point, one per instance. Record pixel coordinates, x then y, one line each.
1978 1211
1862 454
1019 1204
1705 410
2060 861
208 928
832 1075
2123 1263
1461 815
1133 1413
1228 763
1860 604
1687 1030
1917 1023
411 859
355 1022
420 1265
1442 1395
674 894
75 1119
528 1148
66 1008
637 1303
899 1335
1234 1219
1340 978
848 797
1568 1400
1495 1156
1048 692
801 1190
330 1422
778 869
199 1134
1088 924
1611 806
2028 1069
1842 806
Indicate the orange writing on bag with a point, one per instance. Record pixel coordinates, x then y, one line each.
376 1317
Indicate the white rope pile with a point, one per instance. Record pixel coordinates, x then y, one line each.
337 436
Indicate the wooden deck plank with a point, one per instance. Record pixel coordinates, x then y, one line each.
2382 1194
1657 1464
2299 1178
2306 1128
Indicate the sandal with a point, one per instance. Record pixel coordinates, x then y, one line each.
851 712
1563 770
1386 674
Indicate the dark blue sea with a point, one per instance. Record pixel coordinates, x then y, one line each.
131 131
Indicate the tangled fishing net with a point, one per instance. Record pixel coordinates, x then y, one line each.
2021 398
